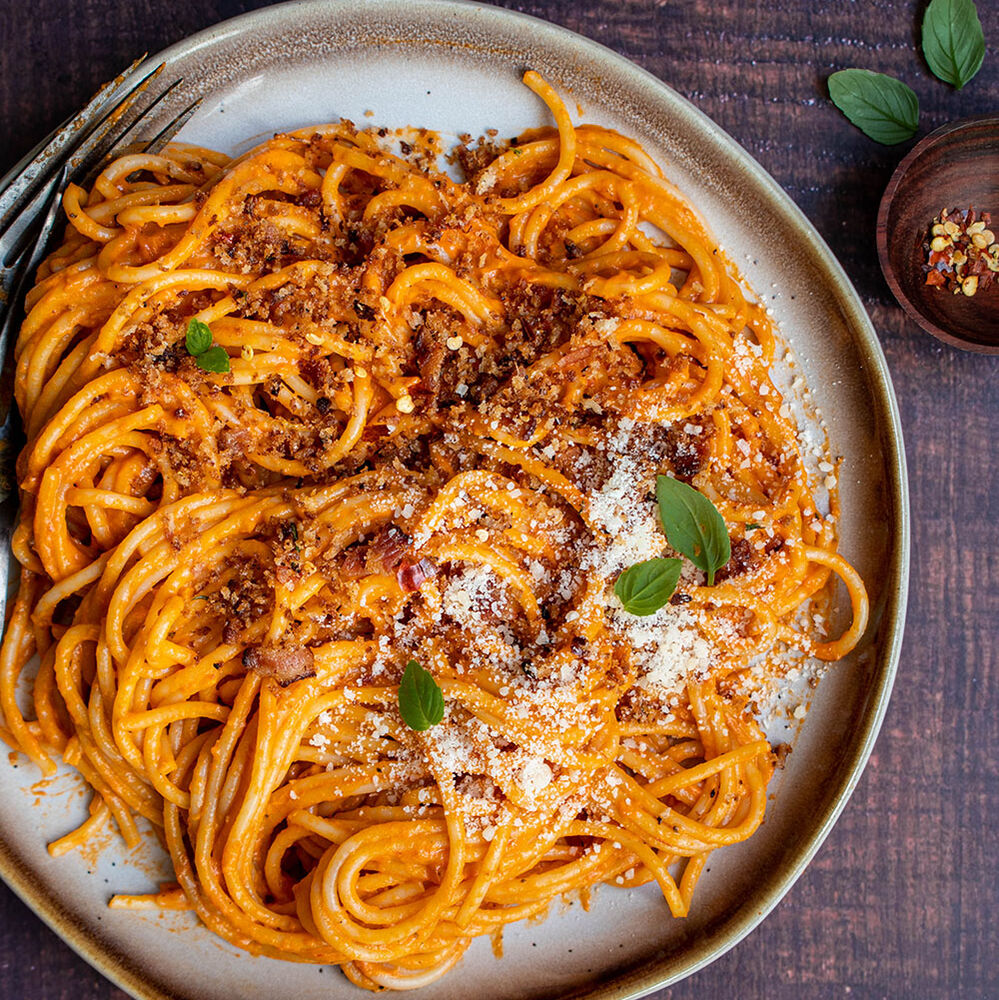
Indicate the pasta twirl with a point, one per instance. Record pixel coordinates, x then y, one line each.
446 407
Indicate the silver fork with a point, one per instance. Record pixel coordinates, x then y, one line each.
29 194
29 214
71 152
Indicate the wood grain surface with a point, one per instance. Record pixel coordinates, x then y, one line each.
902 900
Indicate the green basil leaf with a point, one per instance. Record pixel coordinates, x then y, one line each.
693 525
645 587
198 338
880 106
752 526
421 702
214 359
953 40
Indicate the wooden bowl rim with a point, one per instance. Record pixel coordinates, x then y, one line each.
927 142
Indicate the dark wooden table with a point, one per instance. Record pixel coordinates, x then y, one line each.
903 898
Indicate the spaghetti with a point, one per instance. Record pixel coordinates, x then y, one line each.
446 406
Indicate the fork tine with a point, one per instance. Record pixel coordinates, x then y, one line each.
18 188
169 130
12 242
29 256
91 153
21 274
6 328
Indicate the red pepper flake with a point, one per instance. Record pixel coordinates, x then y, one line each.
962 254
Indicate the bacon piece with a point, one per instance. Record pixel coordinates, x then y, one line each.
285 663
352 562
363 310
429 352
741 559
411 575
745 556
382 554
387 548
685 452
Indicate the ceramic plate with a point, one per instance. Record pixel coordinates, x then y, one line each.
456 67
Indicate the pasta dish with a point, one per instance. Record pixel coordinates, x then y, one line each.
406 534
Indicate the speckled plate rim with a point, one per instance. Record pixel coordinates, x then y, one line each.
122 970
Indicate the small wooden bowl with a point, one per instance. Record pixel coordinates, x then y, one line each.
955 167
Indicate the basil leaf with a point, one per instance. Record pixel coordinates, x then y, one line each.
421 702
198 338
752 526
645 587
880 106
693 525
953 40
214 359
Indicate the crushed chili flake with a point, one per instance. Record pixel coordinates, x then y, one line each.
962 252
